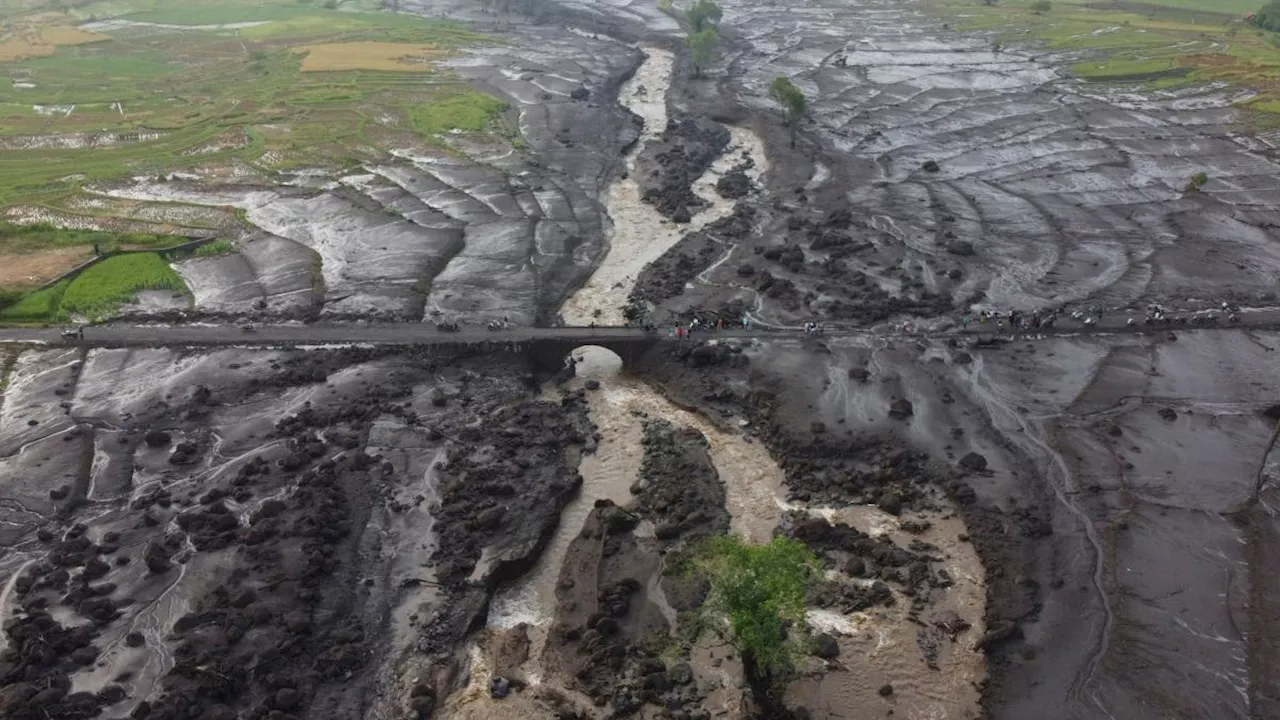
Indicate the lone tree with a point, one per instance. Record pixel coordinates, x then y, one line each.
792 102
704 14
703 33
701 44
757 595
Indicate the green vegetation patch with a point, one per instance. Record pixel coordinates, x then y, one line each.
95 293
1120 69
103 288
217 247
758 594
468 110
22 239
168 99
38 306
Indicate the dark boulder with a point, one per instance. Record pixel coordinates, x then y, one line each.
890 502
157 438
825 647
960 247
973 462
287 699
901 409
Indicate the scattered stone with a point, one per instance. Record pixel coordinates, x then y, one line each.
960 247
157 438
825 646
890 502
287 699
901 409
580 93
680 674
973 462
885 690
499 688
733 185
930 166
1168 414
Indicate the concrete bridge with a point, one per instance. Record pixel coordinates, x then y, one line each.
546 347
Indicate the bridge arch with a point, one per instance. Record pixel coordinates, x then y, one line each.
550 355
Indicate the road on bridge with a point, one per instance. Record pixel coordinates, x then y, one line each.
200 334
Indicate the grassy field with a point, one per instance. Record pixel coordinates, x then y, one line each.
119 88
1164 44
293 83
22 239
98 291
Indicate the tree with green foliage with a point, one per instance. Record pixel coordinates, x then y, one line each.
1041 7
1268 16
791 100
701 45
704 14
757 595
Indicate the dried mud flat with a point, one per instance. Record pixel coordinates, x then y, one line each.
1063 527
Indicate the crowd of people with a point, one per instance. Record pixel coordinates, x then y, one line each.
1155 314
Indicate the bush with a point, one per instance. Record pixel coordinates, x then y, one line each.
1041 7
1197 181
758 592
217 247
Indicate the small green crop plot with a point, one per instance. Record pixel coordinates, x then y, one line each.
103 288
98 291
467 110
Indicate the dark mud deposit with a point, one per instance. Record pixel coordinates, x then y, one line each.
319 533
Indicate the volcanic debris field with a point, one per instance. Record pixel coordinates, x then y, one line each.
1070 524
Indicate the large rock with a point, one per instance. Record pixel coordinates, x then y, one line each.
974 462
825 647
156 438
960 247
901 409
